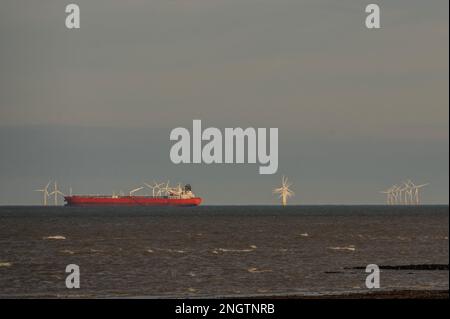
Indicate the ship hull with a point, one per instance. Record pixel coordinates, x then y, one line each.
130 201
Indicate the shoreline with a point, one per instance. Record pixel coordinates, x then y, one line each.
389 294
393 294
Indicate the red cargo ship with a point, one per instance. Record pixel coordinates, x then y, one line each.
164 197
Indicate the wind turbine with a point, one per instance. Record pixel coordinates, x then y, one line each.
158 187
409 195
407 192
44 192
415 192
135 190
56 192
388 193
166 189
395 191
400 191
152 187
284 190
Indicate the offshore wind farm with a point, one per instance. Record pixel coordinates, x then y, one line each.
405 193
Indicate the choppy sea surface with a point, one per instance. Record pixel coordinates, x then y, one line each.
213 251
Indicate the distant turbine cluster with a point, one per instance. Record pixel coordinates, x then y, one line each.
46 194
162 190
284 190
407 193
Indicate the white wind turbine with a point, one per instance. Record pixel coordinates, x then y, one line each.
156 186
388 193
405 193
395 192
415 199
284 190
160 189
166 189
409 193
152 187
56 192
44 192
417 192
400 191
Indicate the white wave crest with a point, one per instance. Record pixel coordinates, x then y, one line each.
57 237
5 264
349 248
67 251
228 250
256 270
304 235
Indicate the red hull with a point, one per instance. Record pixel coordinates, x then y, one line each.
130 201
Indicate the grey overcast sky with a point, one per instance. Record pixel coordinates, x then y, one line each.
357 110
